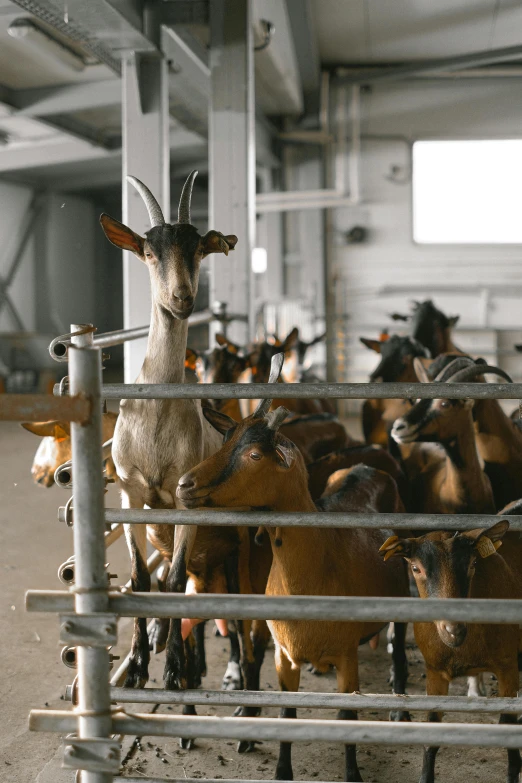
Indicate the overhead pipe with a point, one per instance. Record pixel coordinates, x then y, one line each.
340 195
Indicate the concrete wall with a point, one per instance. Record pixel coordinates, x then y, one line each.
381 275
14 201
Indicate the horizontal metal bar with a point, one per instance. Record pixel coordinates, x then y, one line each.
308 700
304 607
107 339
118 779
342 391
291 730
44 407
232 518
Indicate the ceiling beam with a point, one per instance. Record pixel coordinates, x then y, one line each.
41 102
411 70
307 52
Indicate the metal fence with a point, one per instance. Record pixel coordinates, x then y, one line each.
90 609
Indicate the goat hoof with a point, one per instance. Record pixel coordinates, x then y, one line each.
173 681
247 712
186 744
158 636
232 679
137 675
245 746
400 716
284 773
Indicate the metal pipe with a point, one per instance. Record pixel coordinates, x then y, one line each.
304 607
118 779
308 700
463 61
90 591
233 518
43 407
112 535
301 391
291 730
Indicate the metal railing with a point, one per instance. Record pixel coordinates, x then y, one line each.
89 611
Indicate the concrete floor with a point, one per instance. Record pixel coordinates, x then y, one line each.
32 546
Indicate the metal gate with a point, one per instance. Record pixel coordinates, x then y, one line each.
90 609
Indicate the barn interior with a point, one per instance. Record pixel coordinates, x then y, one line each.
367 155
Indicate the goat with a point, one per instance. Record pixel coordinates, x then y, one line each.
498 437
55 447
314 434
396 365
456 485
322 469
157 441
431 327
465 565
257 466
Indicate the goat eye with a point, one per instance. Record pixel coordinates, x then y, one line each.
149 255
415 569
255 455
444 404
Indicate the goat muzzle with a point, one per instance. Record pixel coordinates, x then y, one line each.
402 432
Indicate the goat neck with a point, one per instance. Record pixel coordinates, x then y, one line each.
167 343
464 475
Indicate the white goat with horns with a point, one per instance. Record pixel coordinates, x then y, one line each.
157 441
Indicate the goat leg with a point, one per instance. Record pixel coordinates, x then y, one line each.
348 682
288 681
199 653
399 668
508 687
174 675
436 685
233 677
160 631
138 669
189 709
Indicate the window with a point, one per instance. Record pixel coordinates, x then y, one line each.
467 192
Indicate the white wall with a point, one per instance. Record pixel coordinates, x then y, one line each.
397 114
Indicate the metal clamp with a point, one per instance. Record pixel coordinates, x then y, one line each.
88 630
92 755
59 347
66 571
65 513
63 475
61 389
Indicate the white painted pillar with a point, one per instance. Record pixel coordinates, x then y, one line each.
232 156
145 128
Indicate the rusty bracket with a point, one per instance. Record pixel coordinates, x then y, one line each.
92 755
88 630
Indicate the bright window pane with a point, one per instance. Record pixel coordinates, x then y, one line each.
467 192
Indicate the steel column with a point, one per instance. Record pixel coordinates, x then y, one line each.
145 133
90 589
232 154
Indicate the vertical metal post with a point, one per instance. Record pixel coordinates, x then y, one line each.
89 544
146 150
232 155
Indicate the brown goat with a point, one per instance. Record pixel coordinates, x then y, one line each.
55 447
355 454
261 468
458 484
465 565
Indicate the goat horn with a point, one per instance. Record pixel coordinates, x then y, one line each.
459 363
153 208
276 365
478 369
276 418
186 197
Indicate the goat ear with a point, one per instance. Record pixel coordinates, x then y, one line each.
190 359
318 339
453 320
290 340
228 344
220 421
215 242
373 345
420 370
486 542
399 317
49 429
285 455
121 236
396 547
